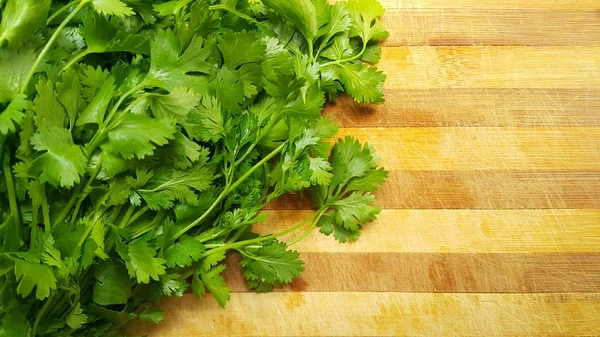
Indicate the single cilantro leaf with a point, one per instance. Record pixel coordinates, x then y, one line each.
215 283
34 275
113 285
15 324
172 66
62 162
320 168
230 44
22 18
178 103
273 263
184 252
69 94
364 83
355 210
48 110
169 185
302 13
127 140
95 111
92 79
141 261
340 49
328 226
101 36
13 114
76 318
207 122
182 152
112 7
365 23
173 285
154 315
14 67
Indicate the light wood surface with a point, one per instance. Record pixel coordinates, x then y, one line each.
491 220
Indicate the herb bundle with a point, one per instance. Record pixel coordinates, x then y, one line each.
140 140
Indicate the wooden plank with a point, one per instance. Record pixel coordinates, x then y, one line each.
513 5
472 107
510 189
427 67
420 25
462 148
382 314
438 273
456 231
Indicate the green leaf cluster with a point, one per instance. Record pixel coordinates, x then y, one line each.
140 141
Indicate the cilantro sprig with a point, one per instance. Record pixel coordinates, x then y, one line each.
140 140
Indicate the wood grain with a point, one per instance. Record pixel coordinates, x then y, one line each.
425 67
453 107
480 189
383 314
551 231
439 273
491 214
441 149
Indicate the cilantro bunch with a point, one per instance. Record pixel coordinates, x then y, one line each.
140 140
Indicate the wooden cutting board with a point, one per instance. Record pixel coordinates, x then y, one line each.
491 220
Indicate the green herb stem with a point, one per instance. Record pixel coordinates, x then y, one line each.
77 58
40 314
346 59
60 11
49 45
12 196
226 191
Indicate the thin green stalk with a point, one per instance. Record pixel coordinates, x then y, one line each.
127 216
233 11
76 59
86 190
50 44
138 214
60 11
40 314
264 238
229 189
347 59
309 230
12 196
46 210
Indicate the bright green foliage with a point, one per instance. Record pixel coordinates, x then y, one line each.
141 140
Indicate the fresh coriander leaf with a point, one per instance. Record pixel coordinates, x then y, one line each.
302 13
154 315
95 111
172 66
113 285
141 261
207 122
169 185
127 140
13 114
273 263
34 275
76 318
173 285
15 324
112 7
215 283
22 18
355 210
14 67
320 168
184 252
69 94
365 23
177 104
101 36
63 162
230 44
362 82
49 112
